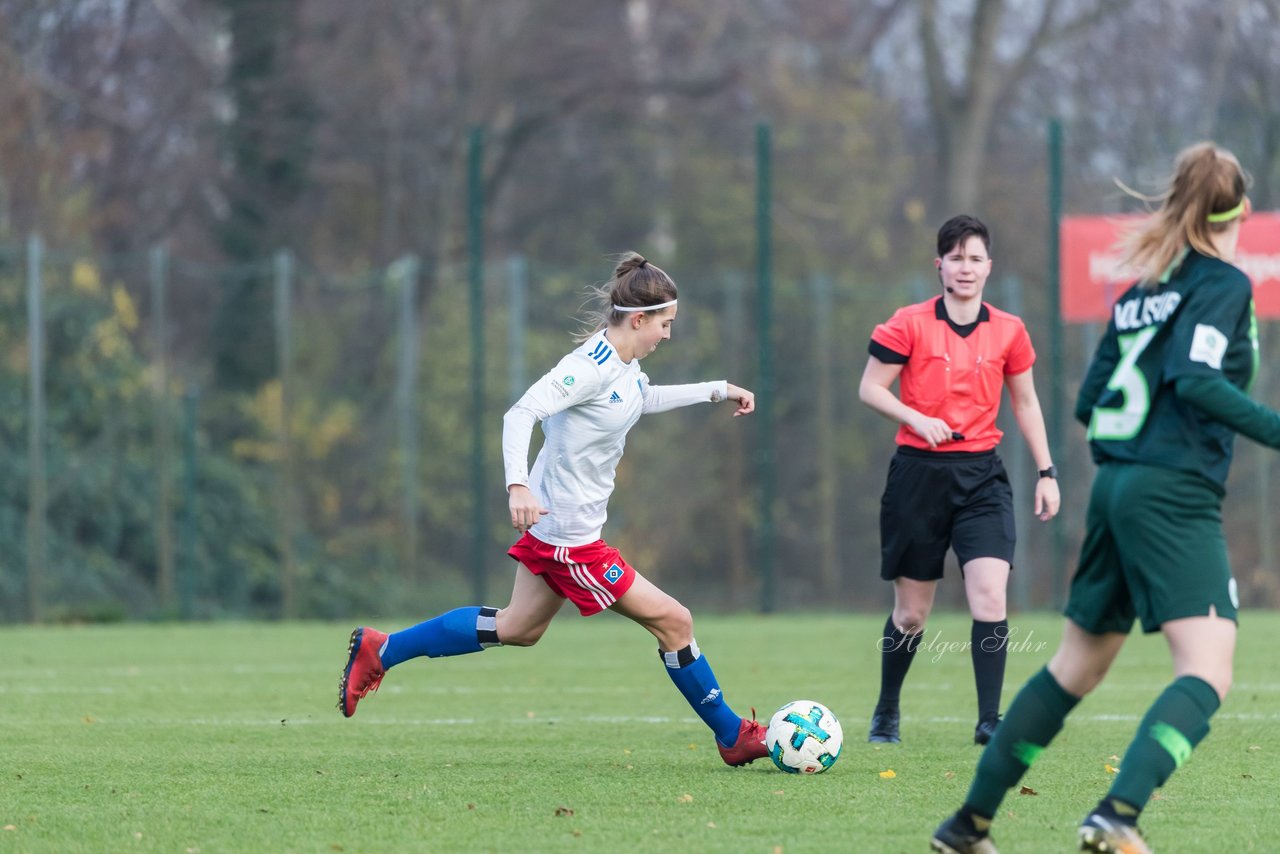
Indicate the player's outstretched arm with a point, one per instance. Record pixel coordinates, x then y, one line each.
664 398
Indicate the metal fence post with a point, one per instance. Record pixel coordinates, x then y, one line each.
764 397
37 484
1019 473
1057 384
406 274
475 247
161 432
283 273
831 569
517 321
189 578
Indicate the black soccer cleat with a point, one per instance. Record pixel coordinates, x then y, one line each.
957 835
985 729
884 726
1108 834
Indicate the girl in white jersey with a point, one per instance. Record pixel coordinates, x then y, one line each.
586 404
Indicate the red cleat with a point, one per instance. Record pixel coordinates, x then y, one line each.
364 669
750 744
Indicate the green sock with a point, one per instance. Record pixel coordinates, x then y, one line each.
1173 726
1031 722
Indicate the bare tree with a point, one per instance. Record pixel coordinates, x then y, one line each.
995 51
108 101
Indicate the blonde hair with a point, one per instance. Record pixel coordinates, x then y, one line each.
1206 180
636 283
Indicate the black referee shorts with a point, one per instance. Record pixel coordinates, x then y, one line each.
935 500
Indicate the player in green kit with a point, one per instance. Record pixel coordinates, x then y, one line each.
1163 399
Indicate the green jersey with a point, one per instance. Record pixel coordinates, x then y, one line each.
1197 321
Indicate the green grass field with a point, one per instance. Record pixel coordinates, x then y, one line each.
224 737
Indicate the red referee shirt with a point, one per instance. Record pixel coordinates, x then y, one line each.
953 376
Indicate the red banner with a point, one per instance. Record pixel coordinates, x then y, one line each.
1092 277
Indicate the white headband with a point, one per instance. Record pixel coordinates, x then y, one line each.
644 307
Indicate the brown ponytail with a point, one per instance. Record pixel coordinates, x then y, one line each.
1206 180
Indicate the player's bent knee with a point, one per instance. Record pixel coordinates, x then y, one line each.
675 625
681 620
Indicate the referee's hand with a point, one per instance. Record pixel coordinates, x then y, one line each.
935 431
1048 499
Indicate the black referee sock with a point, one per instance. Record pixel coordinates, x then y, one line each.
989 647
896 653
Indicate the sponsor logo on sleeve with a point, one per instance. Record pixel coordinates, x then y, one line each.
562 385
1208 345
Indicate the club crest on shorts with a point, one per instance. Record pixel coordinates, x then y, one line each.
613 573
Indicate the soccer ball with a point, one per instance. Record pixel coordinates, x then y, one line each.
804 738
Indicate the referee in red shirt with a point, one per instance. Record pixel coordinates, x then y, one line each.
946 487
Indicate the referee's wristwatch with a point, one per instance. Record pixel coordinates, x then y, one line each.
1051 471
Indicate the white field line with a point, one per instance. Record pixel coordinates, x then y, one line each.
186 685
178 687
660 720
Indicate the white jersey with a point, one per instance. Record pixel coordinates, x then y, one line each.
586 404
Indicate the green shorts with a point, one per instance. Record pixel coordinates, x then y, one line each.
1153 549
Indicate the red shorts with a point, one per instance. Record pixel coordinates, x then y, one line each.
593 576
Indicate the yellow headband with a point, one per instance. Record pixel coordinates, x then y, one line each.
1226 216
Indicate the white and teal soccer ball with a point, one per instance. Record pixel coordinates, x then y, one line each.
804 738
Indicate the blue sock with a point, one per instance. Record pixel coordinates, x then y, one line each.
693 677
456 632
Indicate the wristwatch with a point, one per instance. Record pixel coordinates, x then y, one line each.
1051 471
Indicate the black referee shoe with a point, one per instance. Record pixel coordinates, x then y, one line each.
884 726
985 729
